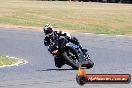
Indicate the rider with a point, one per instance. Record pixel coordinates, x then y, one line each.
50 32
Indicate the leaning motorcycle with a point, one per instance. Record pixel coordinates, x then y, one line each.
66 52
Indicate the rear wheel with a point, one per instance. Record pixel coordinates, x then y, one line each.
71 58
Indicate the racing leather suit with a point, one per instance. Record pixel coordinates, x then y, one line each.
53 35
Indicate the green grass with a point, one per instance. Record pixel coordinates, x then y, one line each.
79 16
7 61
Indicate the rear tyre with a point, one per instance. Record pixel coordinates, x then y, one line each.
71 58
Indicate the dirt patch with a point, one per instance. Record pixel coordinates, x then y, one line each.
38 28
129 34
20 26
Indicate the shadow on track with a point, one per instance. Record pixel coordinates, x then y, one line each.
55 70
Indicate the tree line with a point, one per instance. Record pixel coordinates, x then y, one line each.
103 1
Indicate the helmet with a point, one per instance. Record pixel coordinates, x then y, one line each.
48 29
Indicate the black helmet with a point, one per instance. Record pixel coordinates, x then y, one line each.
48 29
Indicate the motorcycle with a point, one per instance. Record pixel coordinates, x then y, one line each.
66 52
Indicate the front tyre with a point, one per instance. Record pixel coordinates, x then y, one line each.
59 62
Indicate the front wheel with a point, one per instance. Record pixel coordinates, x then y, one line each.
59 62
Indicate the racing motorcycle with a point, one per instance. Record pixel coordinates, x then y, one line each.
66 52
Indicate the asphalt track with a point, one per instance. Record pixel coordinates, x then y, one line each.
111 54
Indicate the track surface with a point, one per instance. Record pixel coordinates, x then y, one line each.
111 54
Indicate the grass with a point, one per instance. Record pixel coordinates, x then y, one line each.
80 16
7 61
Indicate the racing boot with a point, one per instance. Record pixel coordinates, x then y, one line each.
84 50
85 53
88 64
